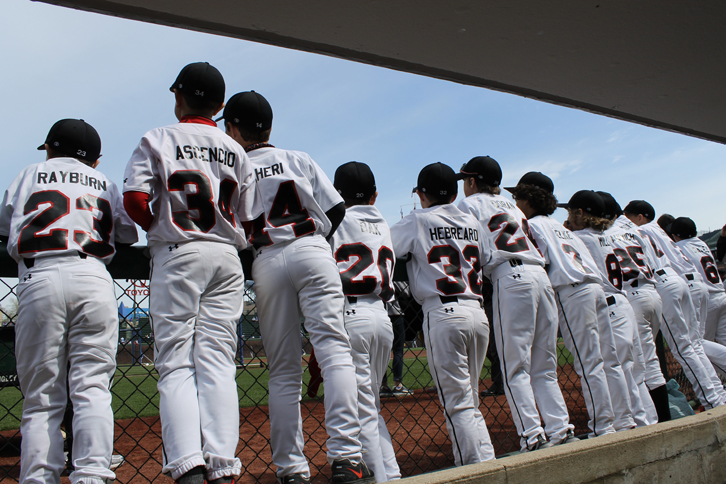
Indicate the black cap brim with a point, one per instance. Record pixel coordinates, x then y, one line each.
563 205
41 147
510 189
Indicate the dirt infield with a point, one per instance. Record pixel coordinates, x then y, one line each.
416 424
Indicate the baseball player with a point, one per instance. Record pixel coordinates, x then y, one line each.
712 314
200 186
586 217
525 314
362 248
295 275
635 255
61 219
679 315
446 251
580 300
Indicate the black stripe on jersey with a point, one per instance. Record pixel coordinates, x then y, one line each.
678 350
583 377
432 366
510 397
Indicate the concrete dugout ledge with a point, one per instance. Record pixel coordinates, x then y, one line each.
689 450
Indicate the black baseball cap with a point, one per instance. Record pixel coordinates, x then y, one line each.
537 179
75 138
250 110
355 181
587 200
612 207
484 169
640 207
200 80
683 227
437 180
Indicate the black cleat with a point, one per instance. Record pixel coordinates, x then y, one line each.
345 472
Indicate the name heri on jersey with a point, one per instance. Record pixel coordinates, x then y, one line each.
205 153
459 233
71 177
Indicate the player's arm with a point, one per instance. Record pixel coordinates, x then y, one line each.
139 181
335 215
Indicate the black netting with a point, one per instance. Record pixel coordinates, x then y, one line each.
415 419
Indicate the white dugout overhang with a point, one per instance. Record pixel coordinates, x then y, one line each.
660 63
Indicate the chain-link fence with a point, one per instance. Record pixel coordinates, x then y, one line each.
412 411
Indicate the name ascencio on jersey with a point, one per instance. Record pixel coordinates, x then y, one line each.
71 177
459 233
207 154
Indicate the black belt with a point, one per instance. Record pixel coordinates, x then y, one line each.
29 263
634 283
515 262
660 272
610 300
352 299
448 299
689 277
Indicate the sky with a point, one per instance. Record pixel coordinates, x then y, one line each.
115 73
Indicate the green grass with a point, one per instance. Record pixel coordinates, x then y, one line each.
135 394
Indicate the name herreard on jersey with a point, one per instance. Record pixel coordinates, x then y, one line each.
71 177
453 232
205 153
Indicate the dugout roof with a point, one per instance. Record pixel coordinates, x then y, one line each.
660 63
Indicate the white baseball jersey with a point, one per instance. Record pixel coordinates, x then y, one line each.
601 249
666 252
634 254
200 183
63 205
567 260
700 256
505 228
362 248
448 252
294 192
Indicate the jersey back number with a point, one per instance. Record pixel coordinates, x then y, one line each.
710 269
31 240
200 215
286 209
506 240
364 259
451 259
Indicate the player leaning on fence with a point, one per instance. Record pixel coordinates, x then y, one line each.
61 229
197 180
446 253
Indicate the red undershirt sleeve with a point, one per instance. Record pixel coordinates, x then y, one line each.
137 206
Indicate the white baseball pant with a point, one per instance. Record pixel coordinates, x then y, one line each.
456 332
580 306
300 279
525 316
648 309
66 313
371 338
627 342
195 304
714 352
716 319
679 319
